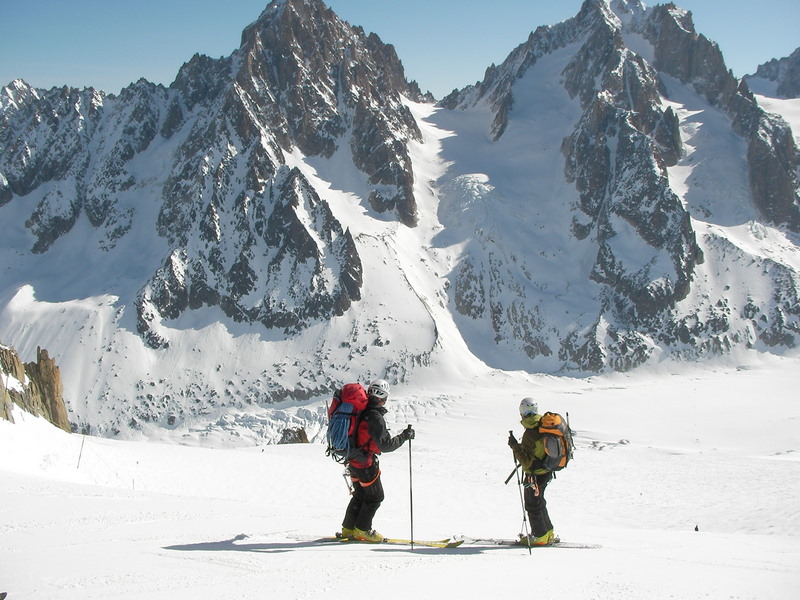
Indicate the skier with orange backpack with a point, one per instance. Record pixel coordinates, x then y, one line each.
546 447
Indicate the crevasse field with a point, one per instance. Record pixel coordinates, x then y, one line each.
659 453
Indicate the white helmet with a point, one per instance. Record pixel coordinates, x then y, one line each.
378 389
527 407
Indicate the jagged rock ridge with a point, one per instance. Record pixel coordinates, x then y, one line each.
772 154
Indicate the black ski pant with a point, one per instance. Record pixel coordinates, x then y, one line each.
366 499
536 505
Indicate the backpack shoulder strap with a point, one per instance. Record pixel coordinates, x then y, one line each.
359 418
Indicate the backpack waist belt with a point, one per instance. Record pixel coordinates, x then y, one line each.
368 483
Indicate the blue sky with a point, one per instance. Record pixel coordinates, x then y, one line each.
443 45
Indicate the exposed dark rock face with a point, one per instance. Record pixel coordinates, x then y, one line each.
35 387
294 436
330 78
618 157
271 236
772 155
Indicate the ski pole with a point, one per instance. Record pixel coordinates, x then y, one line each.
522 501
410 494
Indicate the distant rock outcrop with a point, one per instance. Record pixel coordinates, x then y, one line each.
35 387
296 435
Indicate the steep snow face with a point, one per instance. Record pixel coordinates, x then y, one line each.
203 257
578 119
522 277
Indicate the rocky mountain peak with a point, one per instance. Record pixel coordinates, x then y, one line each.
326 77
15 94
785 72
302 80
632 8
618 157
597 25
680 52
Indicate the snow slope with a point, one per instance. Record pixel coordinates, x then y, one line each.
789 109
715 446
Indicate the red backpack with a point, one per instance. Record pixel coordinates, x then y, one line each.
343 419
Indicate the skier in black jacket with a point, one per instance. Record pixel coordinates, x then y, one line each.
372 438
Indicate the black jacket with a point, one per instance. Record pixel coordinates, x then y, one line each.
373 437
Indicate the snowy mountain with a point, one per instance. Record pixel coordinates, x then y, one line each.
779 77
298 214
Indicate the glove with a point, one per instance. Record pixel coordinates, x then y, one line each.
512 441
409 433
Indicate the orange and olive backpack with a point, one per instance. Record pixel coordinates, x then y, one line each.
557 438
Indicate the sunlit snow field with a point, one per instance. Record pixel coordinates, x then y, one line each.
659 453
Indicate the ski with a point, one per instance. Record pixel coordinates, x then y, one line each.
520 543
448 543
